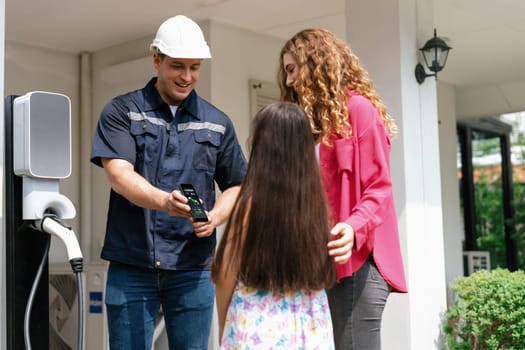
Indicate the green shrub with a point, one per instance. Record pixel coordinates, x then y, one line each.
489 312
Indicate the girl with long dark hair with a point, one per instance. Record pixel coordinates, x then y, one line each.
272 265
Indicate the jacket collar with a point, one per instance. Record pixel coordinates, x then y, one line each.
152 100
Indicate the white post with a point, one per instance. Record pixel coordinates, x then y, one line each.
3 335
384 35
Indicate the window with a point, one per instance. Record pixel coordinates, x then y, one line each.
486 190
262 94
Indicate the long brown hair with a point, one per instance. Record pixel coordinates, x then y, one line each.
279 229
328 70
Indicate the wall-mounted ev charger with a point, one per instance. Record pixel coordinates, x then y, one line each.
42 152
42 156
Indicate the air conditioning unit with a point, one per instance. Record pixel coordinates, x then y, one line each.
475 260
63 307
63 310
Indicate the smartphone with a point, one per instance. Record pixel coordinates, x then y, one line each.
197 210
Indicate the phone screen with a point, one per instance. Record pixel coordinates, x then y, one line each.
197 210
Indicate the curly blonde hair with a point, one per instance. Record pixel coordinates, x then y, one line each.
327 71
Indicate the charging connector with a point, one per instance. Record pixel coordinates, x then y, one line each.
50 225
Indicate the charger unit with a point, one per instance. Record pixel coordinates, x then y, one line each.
42 135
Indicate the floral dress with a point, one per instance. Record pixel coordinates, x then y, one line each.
263 320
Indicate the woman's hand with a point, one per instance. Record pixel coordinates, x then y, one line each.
340 248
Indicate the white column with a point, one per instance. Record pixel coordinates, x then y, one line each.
86 138
384 35
3 310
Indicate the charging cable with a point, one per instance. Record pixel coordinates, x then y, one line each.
32 293
50 224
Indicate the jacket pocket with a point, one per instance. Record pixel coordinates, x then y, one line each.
146 140
205 152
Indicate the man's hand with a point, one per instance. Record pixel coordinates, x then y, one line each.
204 228
177 204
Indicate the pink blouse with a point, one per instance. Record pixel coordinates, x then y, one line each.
358 186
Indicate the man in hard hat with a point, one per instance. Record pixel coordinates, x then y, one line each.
150 141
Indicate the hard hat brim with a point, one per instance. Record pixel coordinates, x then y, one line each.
201 52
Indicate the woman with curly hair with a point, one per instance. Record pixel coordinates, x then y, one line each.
353 131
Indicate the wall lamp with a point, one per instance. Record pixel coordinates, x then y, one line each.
435 52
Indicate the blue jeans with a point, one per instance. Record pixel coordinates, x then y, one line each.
134 296
356 306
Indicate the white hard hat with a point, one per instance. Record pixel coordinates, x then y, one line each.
180 37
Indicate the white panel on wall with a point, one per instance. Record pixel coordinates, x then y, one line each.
262 93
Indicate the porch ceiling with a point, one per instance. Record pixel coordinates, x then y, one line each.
487 36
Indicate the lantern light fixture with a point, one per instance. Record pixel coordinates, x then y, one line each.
435 53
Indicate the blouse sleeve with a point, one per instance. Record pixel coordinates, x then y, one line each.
374 169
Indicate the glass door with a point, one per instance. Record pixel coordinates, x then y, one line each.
486 190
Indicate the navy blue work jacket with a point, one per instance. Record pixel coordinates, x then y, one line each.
197 146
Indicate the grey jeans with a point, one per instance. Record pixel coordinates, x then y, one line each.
356 306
